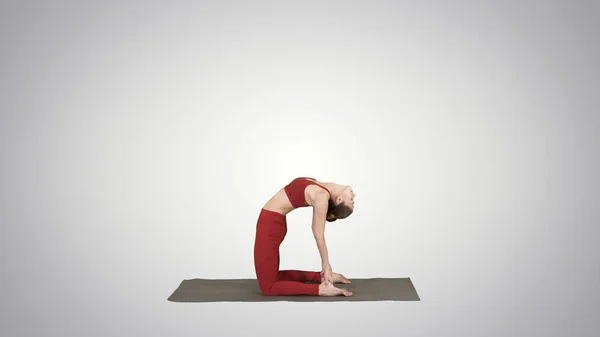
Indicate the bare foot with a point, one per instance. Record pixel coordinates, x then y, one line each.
330 290
339 278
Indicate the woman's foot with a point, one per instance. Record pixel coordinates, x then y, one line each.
339 278
330 290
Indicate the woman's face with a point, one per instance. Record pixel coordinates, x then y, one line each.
348 197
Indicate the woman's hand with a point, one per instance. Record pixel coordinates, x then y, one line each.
326 274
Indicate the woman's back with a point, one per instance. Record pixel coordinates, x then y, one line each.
294 195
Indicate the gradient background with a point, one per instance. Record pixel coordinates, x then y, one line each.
140 139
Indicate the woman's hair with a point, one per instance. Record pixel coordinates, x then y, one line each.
335 212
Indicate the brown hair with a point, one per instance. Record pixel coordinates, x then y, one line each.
335 212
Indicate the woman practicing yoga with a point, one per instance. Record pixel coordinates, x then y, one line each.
330 202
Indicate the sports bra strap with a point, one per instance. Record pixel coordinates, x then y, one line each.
316 183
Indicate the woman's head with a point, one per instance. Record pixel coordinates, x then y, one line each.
341 206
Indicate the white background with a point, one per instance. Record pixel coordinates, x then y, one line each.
140 140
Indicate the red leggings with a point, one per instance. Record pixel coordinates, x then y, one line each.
270 232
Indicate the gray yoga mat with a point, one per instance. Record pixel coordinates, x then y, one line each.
246 290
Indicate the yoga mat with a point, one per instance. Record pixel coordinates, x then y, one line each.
247 290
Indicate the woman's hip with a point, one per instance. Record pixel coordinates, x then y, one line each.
271 224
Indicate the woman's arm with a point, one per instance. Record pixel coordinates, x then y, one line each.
320 205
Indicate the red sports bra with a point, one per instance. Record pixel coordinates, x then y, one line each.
295 191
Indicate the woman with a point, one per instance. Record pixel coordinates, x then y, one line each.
330 202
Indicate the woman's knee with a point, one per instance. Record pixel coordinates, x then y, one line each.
267 289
